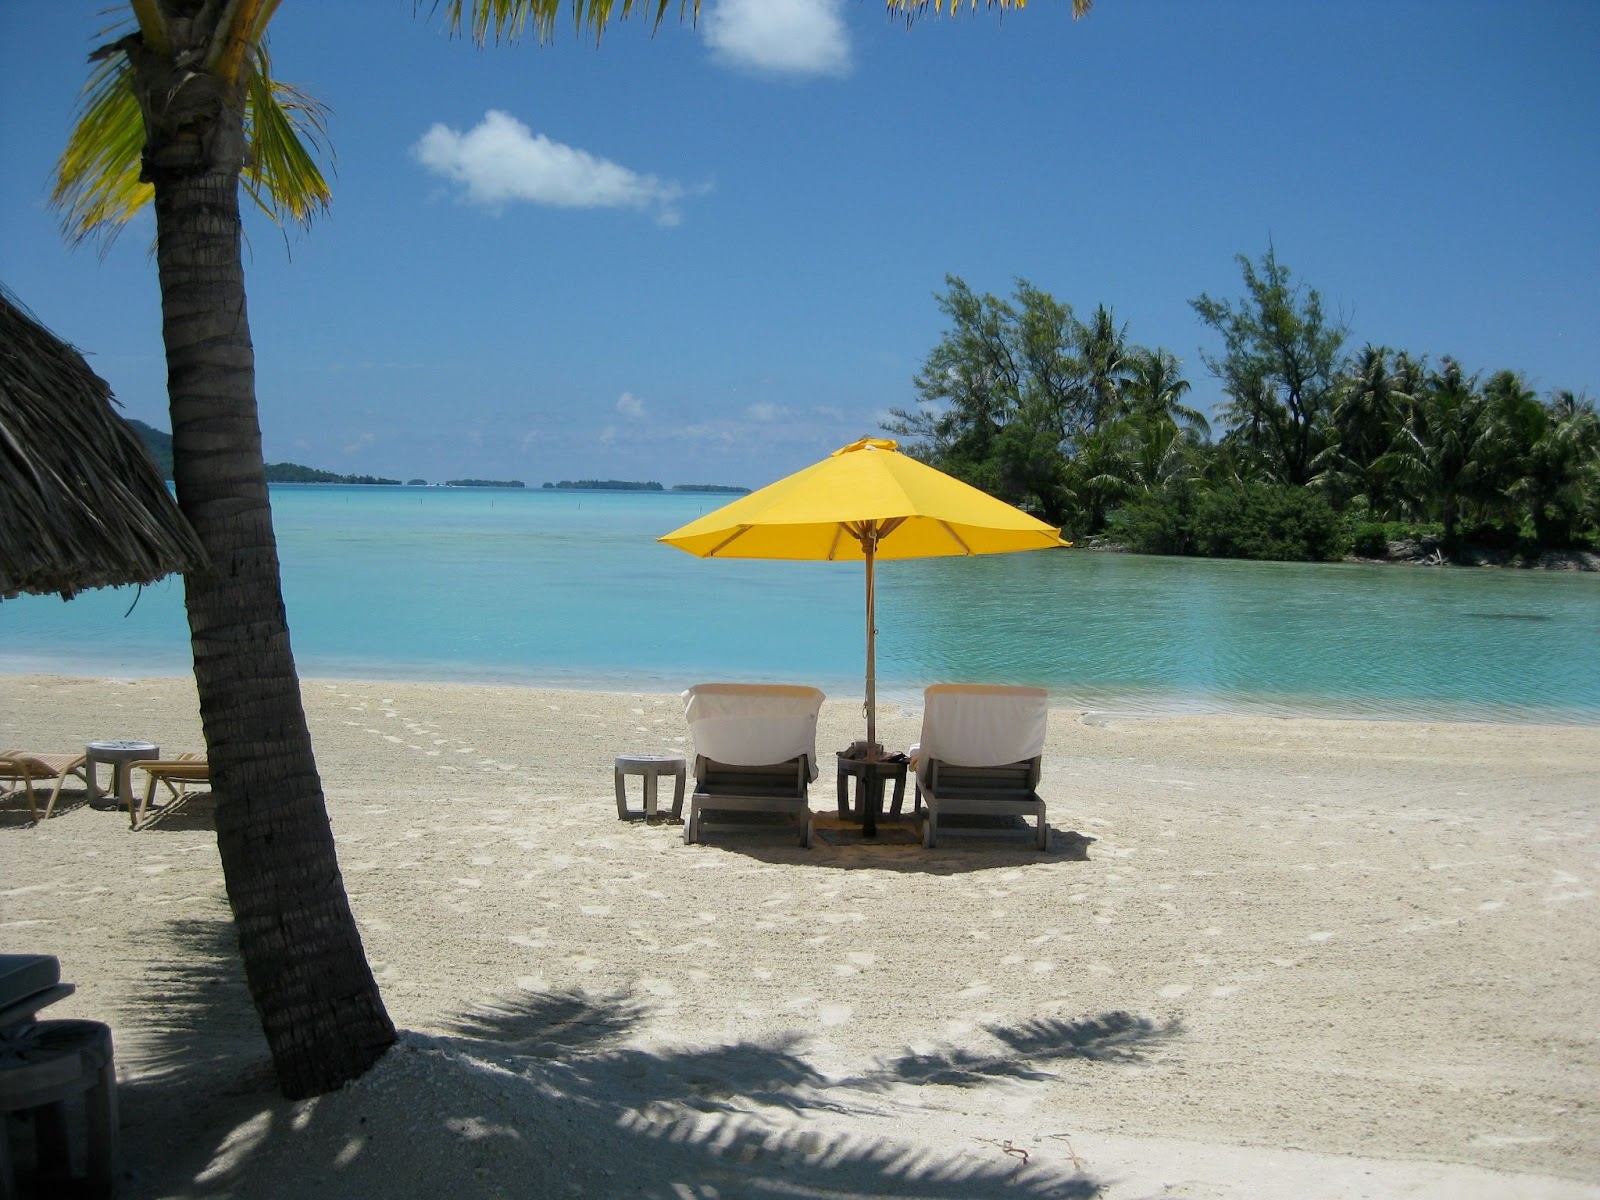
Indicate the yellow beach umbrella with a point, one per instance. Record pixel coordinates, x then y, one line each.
864 502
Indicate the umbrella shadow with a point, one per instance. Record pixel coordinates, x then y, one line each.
838 845
554 1093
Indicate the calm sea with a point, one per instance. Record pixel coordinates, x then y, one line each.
570 589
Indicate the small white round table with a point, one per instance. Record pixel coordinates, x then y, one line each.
117 755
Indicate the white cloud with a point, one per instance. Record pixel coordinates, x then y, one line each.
501 160
784 37
765 410
630 405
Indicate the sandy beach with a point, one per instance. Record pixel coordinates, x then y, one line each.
1302 958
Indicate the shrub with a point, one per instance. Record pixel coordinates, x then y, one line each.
1370 540
1157 522
1266 521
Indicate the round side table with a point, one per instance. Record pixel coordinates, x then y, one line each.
117 755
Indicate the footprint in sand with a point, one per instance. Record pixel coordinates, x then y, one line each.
835 1014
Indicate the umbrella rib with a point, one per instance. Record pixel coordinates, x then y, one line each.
955 537
833 546
725 542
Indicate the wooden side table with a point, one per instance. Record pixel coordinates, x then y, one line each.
652 767
870 774
43 1066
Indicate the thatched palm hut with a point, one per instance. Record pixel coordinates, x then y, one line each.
81 503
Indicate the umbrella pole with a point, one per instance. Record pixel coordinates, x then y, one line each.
869 544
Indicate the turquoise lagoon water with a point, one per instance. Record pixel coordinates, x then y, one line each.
570 589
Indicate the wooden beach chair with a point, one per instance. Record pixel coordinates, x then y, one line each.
19 771
176 774
980 756
755 752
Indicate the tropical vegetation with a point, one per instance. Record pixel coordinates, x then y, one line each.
1321 451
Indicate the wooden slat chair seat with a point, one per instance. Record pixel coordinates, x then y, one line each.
176 774
725 788
1009 790
21 770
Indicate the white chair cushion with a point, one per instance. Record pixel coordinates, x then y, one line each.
753 724
983 725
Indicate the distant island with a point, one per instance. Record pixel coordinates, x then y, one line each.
630 485
295 473
159 444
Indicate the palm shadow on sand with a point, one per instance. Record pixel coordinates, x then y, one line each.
551 1094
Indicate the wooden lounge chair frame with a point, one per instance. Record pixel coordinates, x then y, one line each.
177 774
21 770
774 788
1003 791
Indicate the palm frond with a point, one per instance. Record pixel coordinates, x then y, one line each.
486 21
97 185
916 8
284 126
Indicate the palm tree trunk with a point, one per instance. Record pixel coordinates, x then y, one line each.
319 1005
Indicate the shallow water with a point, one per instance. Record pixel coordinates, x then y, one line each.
572 590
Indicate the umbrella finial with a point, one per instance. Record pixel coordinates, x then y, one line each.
867 444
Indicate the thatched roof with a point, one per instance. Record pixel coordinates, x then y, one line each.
81 503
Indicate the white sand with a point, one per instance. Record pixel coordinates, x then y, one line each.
1304 959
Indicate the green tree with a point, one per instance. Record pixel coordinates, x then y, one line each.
1366 419
1559 484
1279 368
181 112
1435 459
1013 392
1147 441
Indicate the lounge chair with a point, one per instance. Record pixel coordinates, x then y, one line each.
22 770
755 751
979 756
175 773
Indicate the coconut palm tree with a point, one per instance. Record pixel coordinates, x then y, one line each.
1154 388
1366 416
1561 470
181 111
1436 456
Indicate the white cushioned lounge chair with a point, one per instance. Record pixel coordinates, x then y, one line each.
980 755
755 751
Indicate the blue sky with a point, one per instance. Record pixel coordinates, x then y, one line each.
711 254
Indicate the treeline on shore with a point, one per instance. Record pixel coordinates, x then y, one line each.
1322 451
